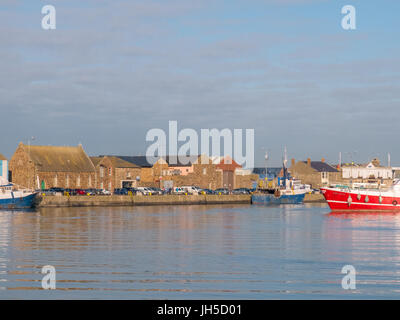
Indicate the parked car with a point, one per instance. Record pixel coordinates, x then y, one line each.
104 192
121 191
57 191
156 191
207 191
80 192
241 191
134 191
91 192
47 192
178 190
222 191
145 190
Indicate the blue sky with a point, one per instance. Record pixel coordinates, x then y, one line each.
112 70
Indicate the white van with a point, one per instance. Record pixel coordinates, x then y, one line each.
191 189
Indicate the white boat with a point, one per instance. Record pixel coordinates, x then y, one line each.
14 197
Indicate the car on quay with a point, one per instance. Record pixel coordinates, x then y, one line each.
104 192
121 191
145 191
57 191
178 190
80 192
207 191
241 191
156 191
222 191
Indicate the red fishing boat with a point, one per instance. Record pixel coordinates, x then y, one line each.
362 199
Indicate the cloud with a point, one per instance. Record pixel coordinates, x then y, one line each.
113 70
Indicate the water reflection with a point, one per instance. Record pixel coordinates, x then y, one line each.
196 252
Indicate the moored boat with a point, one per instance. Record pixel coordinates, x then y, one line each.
12 197
279 197
291 191
343 198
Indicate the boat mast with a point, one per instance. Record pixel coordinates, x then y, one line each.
284 168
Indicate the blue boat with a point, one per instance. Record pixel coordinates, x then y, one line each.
12 197
271 199
288 191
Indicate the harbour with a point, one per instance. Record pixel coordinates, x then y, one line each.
237 251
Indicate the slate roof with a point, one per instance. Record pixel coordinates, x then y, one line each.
273 171
322 166
141 161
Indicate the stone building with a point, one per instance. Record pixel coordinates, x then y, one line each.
315 173
146 176
113 172
44 167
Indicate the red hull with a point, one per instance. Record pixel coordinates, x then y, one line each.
340 200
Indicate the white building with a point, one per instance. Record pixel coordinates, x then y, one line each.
370 171
3 168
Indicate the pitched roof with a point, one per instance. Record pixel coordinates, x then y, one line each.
60 159
228 164
321 166
2 157
173 161
120 163
96 160
140 161
176 161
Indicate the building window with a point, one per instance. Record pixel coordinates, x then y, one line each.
109 186
78 181
101 172
90 181
109 171
102 185
67 181
204 171
128 175
55 181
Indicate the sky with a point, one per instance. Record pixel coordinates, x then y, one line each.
113 69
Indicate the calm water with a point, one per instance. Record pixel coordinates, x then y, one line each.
198 252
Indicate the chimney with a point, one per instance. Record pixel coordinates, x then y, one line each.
293 162
309 162
323 160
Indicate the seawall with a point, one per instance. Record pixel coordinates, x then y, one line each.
114 200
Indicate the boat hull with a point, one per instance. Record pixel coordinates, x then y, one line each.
270 199
342 200
23 202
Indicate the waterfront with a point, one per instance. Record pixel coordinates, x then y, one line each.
198 252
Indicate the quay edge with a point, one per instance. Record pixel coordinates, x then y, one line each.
117 200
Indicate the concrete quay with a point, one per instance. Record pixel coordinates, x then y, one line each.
117 200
